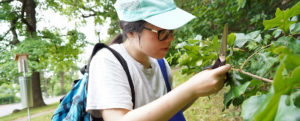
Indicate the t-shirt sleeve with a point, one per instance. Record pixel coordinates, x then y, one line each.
108 85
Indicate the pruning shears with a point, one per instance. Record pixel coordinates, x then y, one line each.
222 55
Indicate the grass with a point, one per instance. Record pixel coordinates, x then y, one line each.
33 111
46 117
208 108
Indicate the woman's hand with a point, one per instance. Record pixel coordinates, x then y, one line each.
208 81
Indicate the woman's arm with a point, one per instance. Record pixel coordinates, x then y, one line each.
162 109
188 105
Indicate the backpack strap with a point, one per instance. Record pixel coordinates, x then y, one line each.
179 115
163 69
99 46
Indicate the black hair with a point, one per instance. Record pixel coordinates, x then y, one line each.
126 27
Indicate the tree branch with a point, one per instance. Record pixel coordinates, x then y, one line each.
13 31
5 34
90 15
296 36
241 68
252 75
94 12
285 2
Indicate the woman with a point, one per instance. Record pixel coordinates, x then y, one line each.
147 30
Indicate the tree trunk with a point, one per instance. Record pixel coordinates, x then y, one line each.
46 88
36 90
30 19
46 81
62 83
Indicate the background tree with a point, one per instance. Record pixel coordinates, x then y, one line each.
47 49
25 16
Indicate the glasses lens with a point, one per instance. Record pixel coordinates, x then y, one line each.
163 34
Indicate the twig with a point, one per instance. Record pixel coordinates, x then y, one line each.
241 68
252 75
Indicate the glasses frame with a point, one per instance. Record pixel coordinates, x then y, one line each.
159 32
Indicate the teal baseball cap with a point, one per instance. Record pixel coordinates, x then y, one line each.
161 13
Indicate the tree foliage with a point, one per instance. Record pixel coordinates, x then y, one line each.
265 62
49 49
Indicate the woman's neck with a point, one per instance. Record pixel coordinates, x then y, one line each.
137 54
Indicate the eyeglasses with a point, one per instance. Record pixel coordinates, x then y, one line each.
162 34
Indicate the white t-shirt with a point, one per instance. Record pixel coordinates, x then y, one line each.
108 85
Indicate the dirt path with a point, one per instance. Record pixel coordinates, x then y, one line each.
8 108
35 115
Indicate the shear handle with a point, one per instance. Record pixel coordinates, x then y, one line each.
217 64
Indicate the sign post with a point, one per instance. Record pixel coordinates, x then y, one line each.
26 90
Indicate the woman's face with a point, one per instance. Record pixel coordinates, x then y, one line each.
150 45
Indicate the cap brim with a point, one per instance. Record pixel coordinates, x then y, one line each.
171 20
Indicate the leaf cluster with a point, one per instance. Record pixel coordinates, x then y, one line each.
272 53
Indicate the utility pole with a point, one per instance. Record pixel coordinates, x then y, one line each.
26 92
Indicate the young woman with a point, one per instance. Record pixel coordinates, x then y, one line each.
147 30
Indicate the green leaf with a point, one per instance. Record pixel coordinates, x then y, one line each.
241 3
287 45
266 63
295 28
267 39
240 40
231 39
276 33
291 62
252 45
255 35
255 82
282 18
235 92
296 98
268 113
251 106
295 80
295 10
281 50
279 80
184 59
180 45
282 84
287 112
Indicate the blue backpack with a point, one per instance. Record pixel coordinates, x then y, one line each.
73 105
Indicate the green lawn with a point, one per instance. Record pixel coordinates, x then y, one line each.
33 111
46 117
